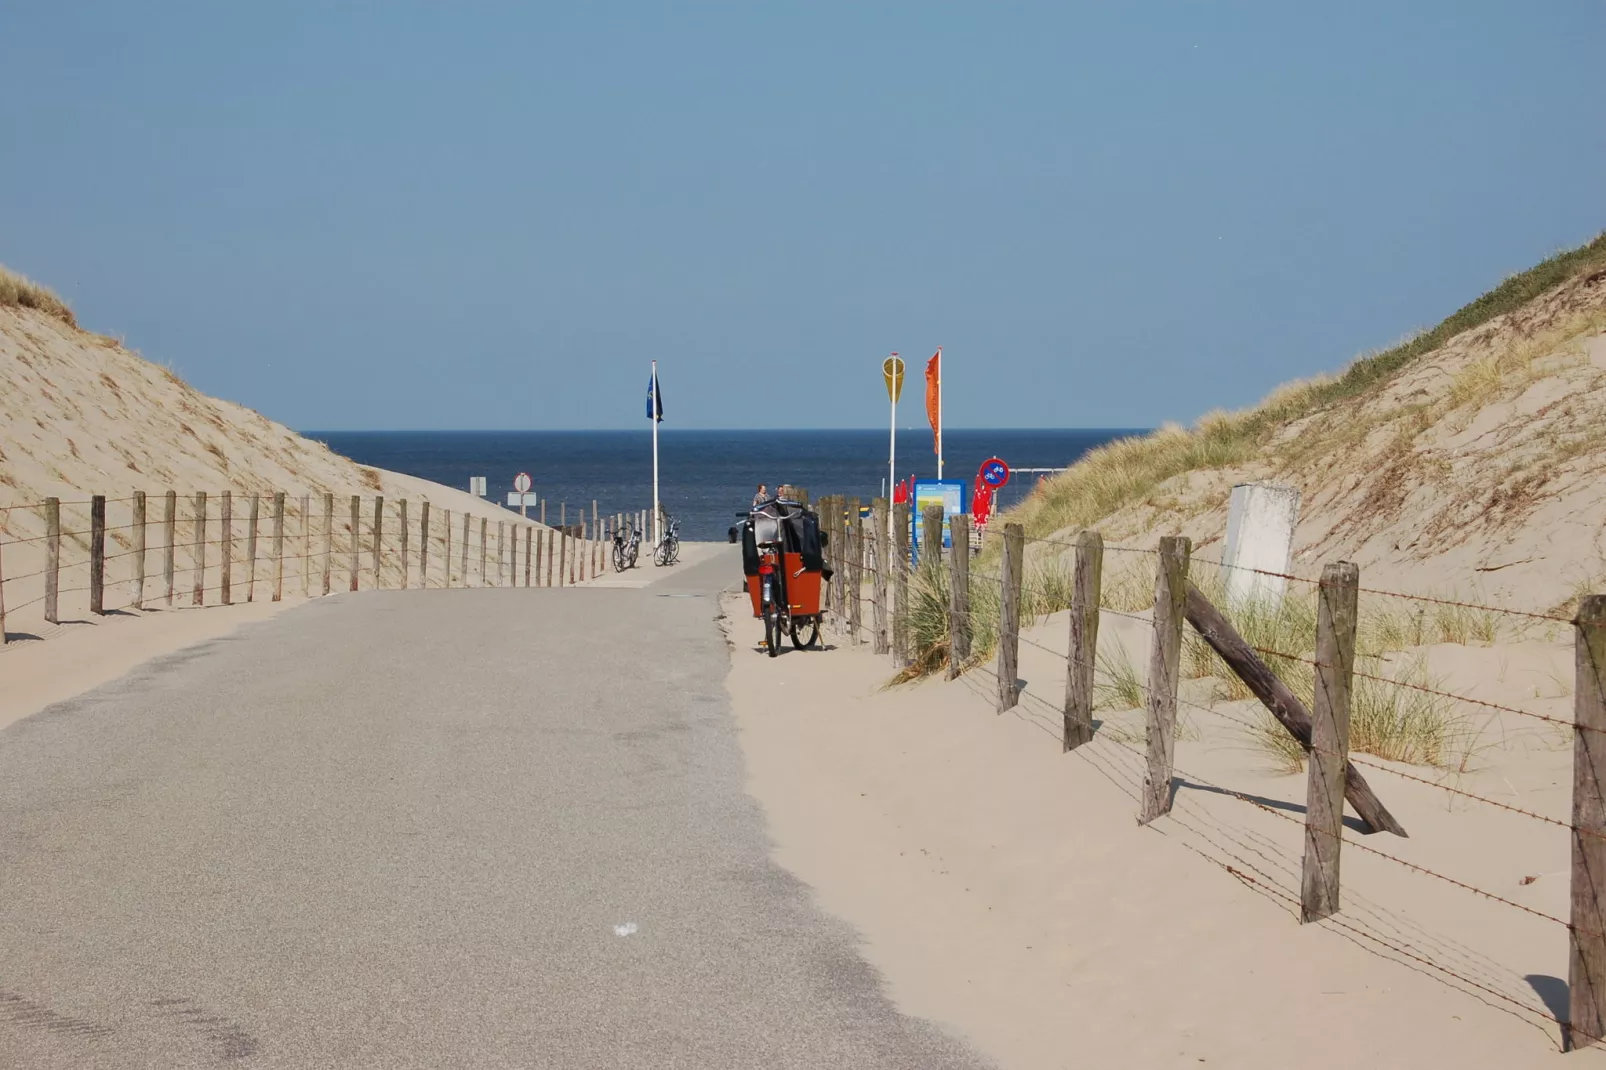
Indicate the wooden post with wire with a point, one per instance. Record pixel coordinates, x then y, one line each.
255 515
483 551
423 545
959 595
278 545
406 562
1586 953
501 553
378 536
1011 565
170 525
356 528
1087 581
226 543
529 540
306 546
878 575
137 584
563 554
1329 740
931 536
551 552
463 570
52 559
97 555
1170 600
198 589
853 549
328 536
900 584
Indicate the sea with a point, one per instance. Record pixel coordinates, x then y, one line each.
705 477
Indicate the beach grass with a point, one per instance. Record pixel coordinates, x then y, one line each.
19 291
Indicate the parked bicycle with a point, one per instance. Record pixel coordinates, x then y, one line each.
668 548
626 545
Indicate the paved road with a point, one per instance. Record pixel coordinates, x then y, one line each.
406 830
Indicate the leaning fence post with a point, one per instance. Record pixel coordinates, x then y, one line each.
406 563
52 558
1012 563
1329 740
423 545
251 549
1586 959
878 575
226 541
170 525
1170 598
97 554
959 595
379 536
356 540
900 584
1086 581
278 545
198 591
137 584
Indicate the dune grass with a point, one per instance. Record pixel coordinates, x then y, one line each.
19 291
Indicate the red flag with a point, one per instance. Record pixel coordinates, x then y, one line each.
934 399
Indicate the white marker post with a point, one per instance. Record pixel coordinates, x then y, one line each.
522 484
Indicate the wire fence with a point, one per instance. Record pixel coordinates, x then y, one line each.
921 617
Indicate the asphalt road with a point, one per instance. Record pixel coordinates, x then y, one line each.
497 828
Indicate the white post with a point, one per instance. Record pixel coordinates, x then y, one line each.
892 457
653 414
939 412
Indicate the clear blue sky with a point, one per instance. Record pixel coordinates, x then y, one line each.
391 215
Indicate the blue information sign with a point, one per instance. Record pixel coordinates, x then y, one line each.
954 497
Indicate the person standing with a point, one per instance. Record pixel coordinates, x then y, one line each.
762 496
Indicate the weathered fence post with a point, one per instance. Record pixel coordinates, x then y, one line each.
1011 566
423 545
563 553
501 553
306 546
406 562
198 591
226 542
278 546
830 512
97 554
251 548
596 541
529 541
900 584
170 525
356 540
1086 586
484 553
931 533
853 564
446 516
52 558
463 570
879 558
137 584
1586 959
1329 740
378 536
1170 598
328 536
551 552
959 596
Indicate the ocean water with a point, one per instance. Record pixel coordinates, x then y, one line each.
705 477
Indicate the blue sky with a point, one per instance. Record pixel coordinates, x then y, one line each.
1115 214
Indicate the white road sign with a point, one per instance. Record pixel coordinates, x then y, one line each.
521 482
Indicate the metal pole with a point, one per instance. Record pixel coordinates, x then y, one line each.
939 412
654 415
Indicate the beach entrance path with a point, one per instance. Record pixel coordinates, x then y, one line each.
499 828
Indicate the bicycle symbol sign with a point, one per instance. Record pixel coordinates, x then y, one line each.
994 472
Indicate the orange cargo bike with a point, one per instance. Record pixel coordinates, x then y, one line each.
784 567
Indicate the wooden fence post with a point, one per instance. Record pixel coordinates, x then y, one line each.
931 535
1011 565
379 536
423 545
251 548
306 546
563 554
198 590
1087 583
328 537
1329 740
447 517
406 562
226 542
828 591
463 571
529 541
137 584
540 546
356 541
959 596
1170 598
550 553
278 546
170 525
501 553
52 558
1586 959
483 552
879 558
853 548
899 565
596 541
97 554
2 595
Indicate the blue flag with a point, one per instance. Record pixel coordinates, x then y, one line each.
655 399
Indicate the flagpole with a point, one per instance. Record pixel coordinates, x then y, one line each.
655 407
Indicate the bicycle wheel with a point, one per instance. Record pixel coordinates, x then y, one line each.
618 558
772 630
660 553
813 628
673 553
635 548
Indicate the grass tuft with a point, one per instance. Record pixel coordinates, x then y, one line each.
19 291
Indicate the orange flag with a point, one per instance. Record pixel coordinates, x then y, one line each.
934 399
